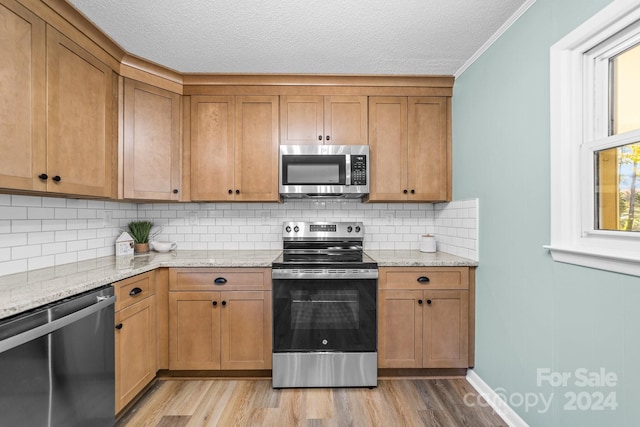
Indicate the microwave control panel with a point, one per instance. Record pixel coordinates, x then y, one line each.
358 170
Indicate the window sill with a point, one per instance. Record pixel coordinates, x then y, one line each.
598 260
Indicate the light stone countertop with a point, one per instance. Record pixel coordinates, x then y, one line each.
414 258
24 291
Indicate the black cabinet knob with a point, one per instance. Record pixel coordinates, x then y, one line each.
405 191
43 176
319 137
175 191
237 191
420 302
220 281
57 178
135 291
428 302
224 303
328 138
423 279
413 191
230 191
119 326
215 303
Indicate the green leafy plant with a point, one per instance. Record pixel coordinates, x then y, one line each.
139 230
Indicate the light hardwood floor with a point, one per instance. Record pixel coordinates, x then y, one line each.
395 402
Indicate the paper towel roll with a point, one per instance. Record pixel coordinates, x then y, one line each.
427 243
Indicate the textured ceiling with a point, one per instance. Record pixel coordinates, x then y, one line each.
433 37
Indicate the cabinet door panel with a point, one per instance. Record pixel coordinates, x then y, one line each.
301 119
194 330
79 117
428 149
345 120
151 142
22 91
212 147
400 329
388 147
246 330
256 148
135 350
446 329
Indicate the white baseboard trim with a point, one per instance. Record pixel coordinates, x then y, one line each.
495 401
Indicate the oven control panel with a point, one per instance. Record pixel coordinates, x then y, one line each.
322 230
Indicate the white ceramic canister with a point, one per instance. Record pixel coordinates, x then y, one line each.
427 243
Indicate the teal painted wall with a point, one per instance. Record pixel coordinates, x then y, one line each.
533 313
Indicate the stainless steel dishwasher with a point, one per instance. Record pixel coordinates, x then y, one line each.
57 364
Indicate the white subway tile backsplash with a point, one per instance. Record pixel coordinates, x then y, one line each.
37 232
13 212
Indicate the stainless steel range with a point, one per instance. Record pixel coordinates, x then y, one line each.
324 307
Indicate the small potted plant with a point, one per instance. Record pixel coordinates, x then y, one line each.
140 231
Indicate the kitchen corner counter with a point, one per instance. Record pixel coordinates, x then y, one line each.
24 291
415 258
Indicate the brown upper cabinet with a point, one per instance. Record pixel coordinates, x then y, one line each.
410 145
336 120
23 95
152 142
80 120
234 148
56 114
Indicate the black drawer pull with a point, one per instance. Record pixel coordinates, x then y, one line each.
220 281
224 303
428 302
119 326
215 303
135 291
43 176
423 279
419 302
57 178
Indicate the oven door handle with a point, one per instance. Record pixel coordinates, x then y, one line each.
323 274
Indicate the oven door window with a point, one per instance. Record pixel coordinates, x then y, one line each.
313 170
325 315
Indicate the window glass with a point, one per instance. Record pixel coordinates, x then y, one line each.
618 188
625 91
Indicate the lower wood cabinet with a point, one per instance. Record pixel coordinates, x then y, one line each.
135 337
219 329
424 328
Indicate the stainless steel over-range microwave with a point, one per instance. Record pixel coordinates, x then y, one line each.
324 171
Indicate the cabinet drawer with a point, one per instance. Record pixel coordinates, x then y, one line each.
133 289
424 278
210 279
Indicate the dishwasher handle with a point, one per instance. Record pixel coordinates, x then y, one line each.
32 334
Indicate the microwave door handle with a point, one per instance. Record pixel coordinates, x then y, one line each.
347 167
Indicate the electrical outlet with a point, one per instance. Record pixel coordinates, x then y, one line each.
192 217
107 218
265 216
388 216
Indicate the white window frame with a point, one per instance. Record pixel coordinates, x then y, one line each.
579 126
